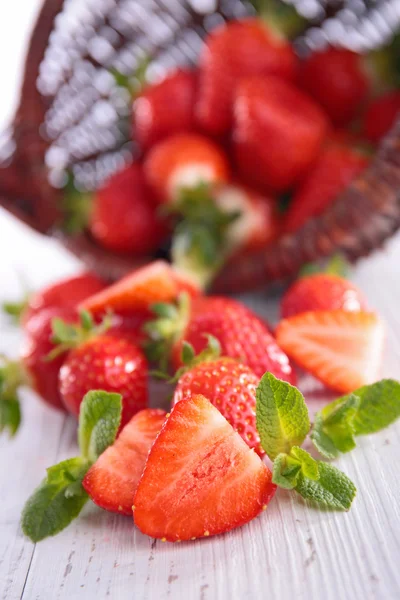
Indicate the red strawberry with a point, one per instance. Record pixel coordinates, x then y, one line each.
381 115
124 216
200 478
258 222
277 133
342 349
241 334
112 481
230 386
184 161
336 79
334 170
43 374
322 291
233 51
156 282
165 108
64 293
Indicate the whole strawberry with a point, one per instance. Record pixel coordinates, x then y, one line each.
336 79
232 52
165 108
124 216
98 359
241 334
228 384
277 132
335 168
381 115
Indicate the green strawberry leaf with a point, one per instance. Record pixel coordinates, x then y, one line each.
52 506
281 416
99 420
10 415
333 489
379 406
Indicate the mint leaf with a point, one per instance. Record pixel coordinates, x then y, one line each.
99 420
309 466
281 416
321 440
52 506
333 430
333 489
285 471
379 406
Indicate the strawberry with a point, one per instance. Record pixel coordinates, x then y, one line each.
381 115
277 132
322 291
98 359
200 478
336 167
125 195
241 334
336 79
112 481
229 385
232 52
165 108
64 293
342 349
182 162
155 282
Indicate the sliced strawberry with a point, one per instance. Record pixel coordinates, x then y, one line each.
342 349
278 131
156 282
165 108
184 161
233 51
112 481
336 79
335 169
322 291
381 115
200 478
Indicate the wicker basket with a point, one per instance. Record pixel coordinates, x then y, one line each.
70 113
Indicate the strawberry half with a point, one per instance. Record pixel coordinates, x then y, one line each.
336 79
112 481
277 133
335 169
200 478
342 349
381 115
184 161
156 282
140 230
165 108
233 51
322 291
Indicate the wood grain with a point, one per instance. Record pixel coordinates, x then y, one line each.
291 551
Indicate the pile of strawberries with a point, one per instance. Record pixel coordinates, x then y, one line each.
82 335
243 149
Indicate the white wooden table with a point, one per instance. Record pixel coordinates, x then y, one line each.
291 551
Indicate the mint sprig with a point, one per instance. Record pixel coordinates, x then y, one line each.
367 410
60 497
281 416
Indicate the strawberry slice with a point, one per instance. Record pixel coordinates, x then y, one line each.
112 481
156 282
200 478
342 349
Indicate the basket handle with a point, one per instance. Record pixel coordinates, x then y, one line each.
24 188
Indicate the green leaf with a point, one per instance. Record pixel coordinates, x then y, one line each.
379 406
285 471
16 309
333 489
99 420
333 430
188 353
10 415
309 466
323 443
51 508
281 416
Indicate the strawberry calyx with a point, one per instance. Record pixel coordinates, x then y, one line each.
336 265
282 19
12 377
200 243
166 329
67 336
15 310
76 206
